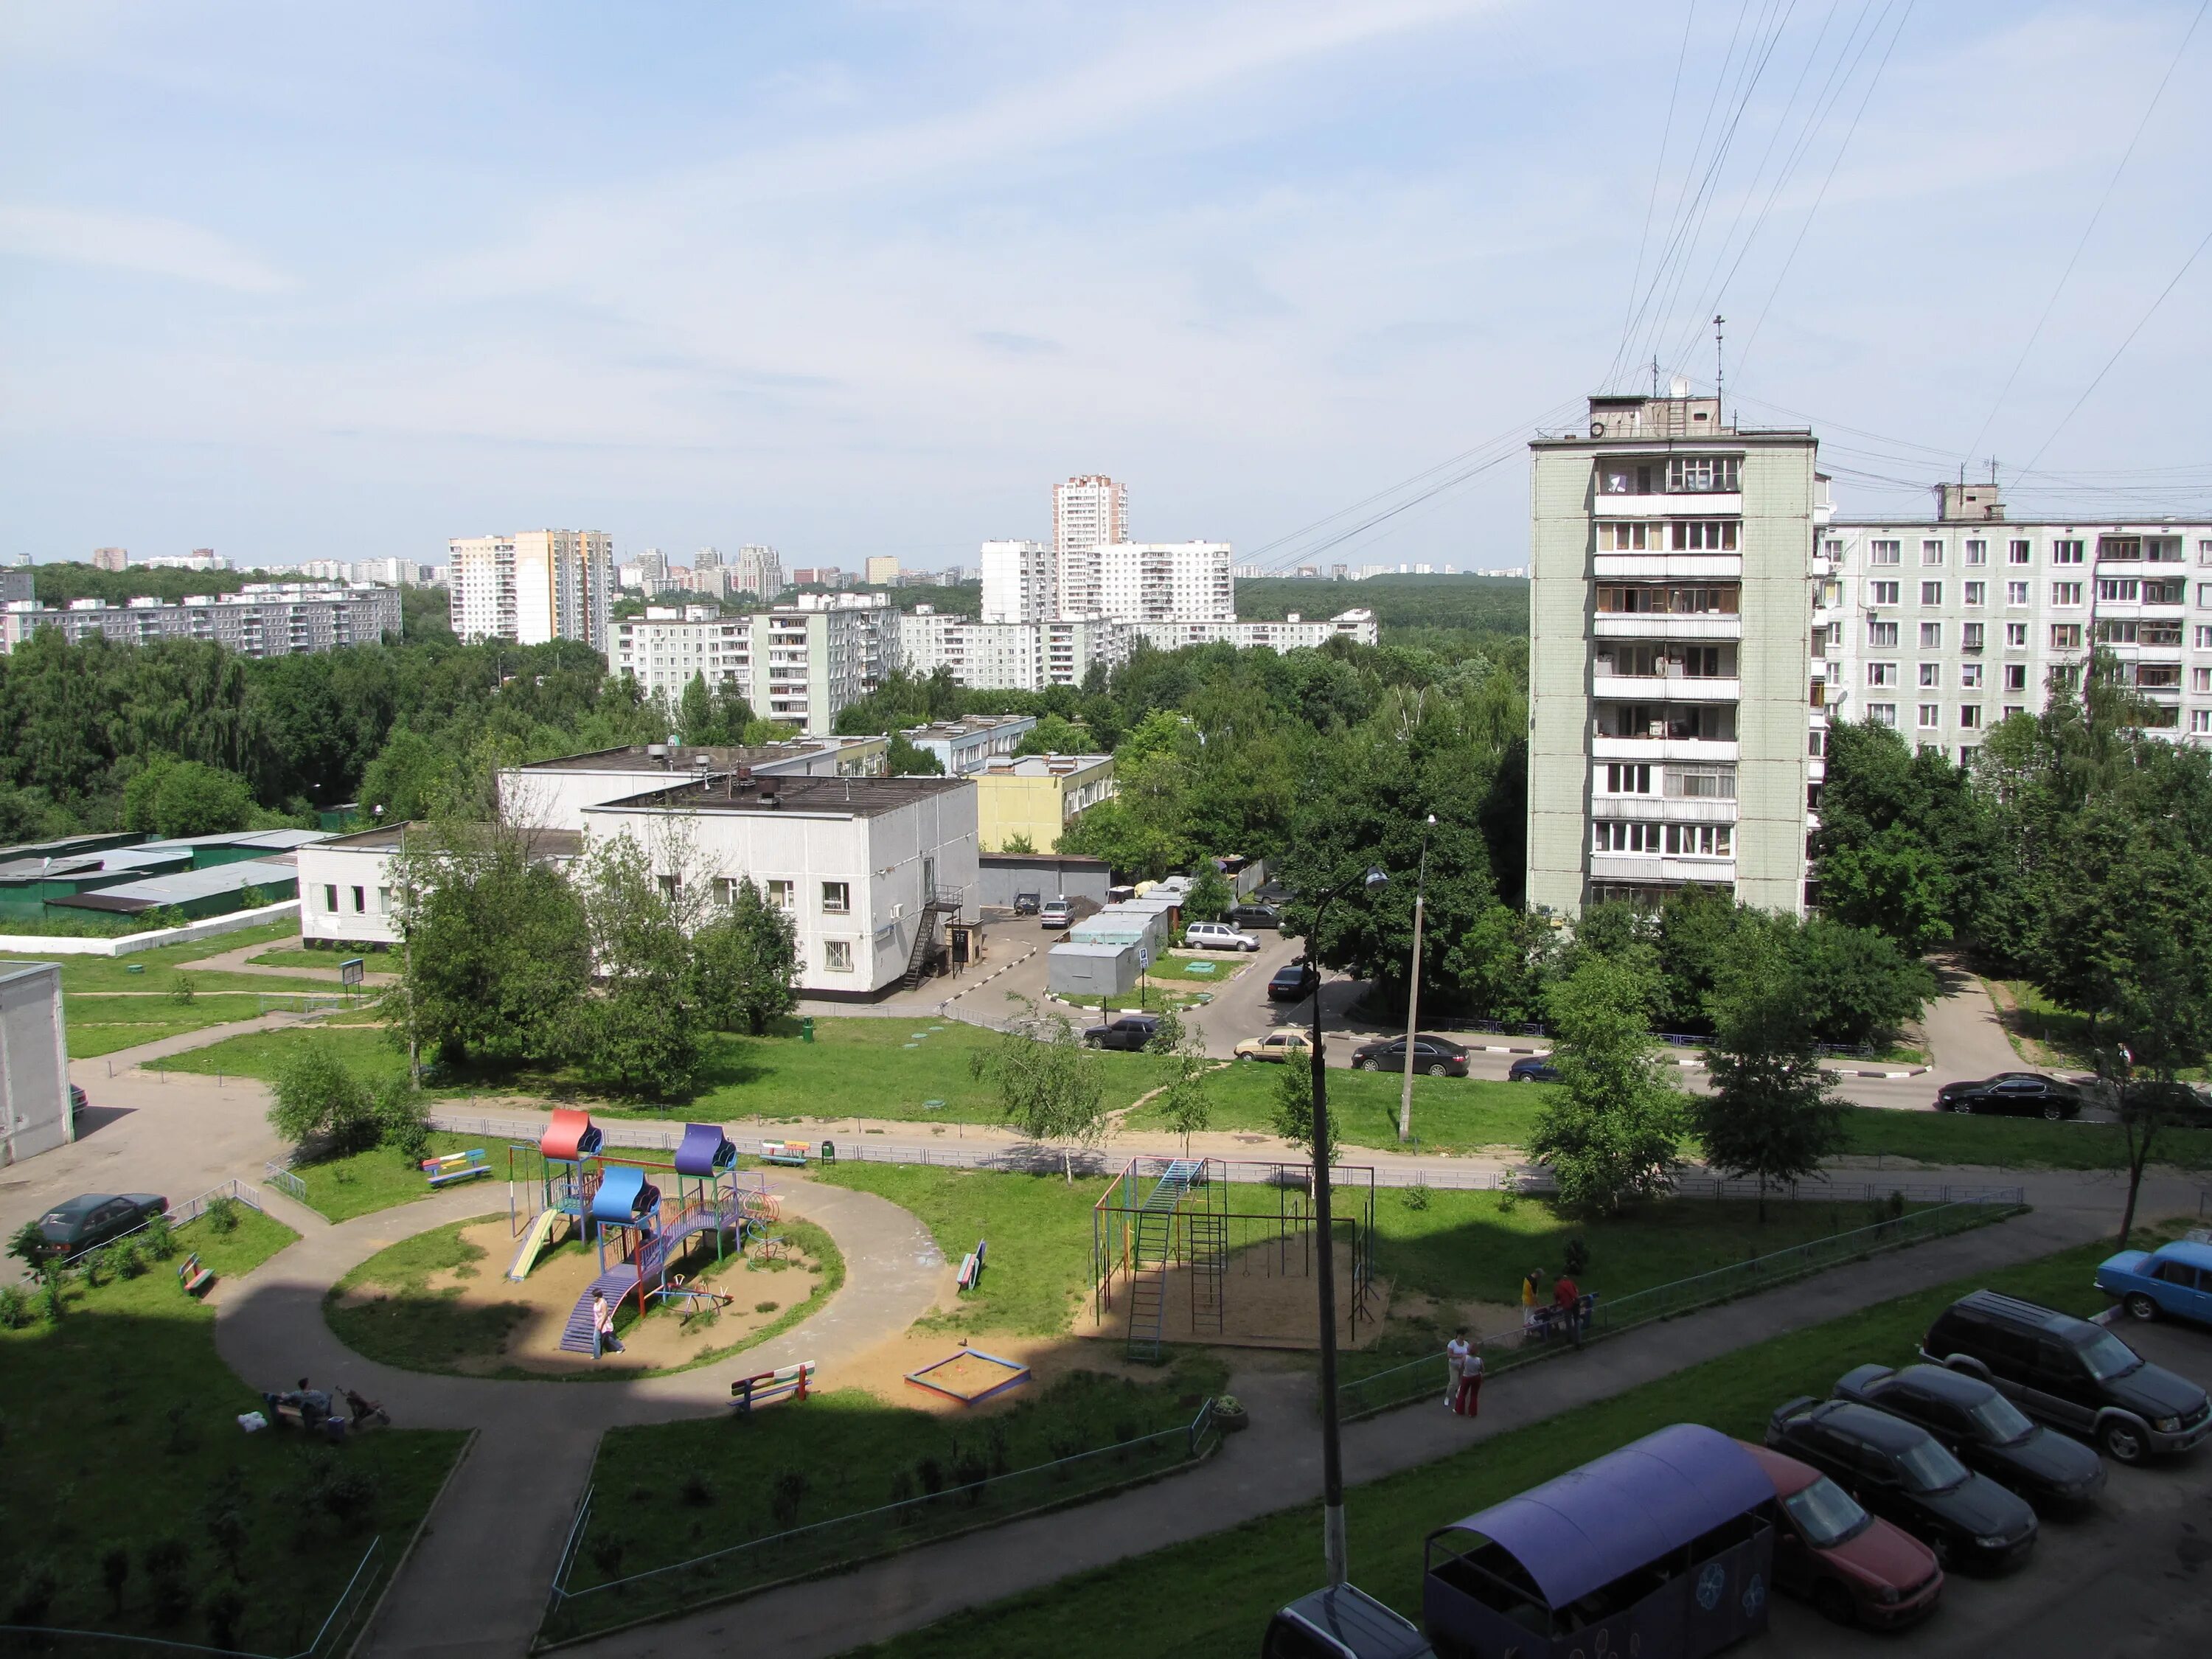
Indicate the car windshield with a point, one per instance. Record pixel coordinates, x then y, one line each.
1825 1515
2000 1421
1928 1467
2106 1356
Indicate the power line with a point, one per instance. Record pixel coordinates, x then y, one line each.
2089 229
1651 203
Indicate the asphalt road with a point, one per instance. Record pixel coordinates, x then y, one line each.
2132 1580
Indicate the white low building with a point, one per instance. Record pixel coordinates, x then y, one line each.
965 747
552 794
869 870
1294 632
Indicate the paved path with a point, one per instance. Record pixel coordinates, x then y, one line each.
240 961
1966 1038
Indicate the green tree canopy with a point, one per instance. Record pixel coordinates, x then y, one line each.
1610 1134
743 962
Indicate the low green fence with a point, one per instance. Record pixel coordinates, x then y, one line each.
1424 1378
580 1608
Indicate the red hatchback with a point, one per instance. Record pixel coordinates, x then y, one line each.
1853 1566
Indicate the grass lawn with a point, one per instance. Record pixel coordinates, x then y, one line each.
340 1188
2011 1143
364 1048
101 1023
1214 1596
1455 1115
419 1328
113 973
122 1444
677 1490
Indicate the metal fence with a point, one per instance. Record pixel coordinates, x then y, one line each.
575 1611
176 1215
340 1629
1423 1378
278 1174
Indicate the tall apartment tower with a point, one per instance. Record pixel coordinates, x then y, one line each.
1087 512
759 570
531 586
111 558
1166 581
1672 735
1018 582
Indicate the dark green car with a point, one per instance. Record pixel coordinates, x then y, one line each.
90 1219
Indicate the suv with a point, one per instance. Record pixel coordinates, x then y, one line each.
1255 915
2070 1374
2012 1094
1131 1032
1217 936
1291 982
1025 904
1342 1623
1057 913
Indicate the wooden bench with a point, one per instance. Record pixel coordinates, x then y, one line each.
193 1277
456 1167
786 1383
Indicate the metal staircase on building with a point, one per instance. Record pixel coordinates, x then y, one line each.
943 901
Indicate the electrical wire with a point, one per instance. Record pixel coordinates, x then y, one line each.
1651 202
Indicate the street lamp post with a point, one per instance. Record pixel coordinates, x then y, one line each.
1332 1454
1414 985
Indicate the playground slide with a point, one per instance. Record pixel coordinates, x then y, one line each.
534 1240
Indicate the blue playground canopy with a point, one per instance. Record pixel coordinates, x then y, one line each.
1581 1531
706 1150
624 1196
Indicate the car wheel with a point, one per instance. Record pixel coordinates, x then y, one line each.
1940 1547
2052 1113
1247 1055
2139 1306
1834 1602
2123 1441
1439 1071
1362 1065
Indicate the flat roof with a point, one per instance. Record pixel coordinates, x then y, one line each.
968 726
1042 765
282 840
857 798
679 756
182 885
536 843
11 970
2041 521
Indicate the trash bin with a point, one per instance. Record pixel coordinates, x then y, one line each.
828 1151
807 1028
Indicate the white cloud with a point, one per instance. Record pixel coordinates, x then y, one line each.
127 241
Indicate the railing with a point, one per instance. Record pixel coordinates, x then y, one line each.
280 1176
336 1636
845 1540
176 1215
1418 1379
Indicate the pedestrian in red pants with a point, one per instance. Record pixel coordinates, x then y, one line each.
1467 1397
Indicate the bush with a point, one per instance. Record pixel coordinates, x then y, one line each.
158 1239
346 1494
223 1215
786 1493
181 989
319 1100
224 1608
115 1574
765 1307
33 1592
124 1260
402 1119
15 1308
1577 1256
695 1491
51 1302
168 1596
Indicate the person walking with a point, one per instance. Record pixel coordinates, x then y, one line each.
1532 1293
603 1320
1456 1355
1567 1305
1467 1399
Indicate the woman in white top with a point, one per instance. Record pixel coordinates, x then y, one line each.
1457 1351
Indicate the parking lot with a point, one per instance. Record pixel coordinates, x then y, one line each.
2132 1580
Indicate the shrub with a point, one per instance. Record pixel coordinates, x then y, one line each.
930 1473
115 1574
969 1472
1577 1256
765 1307
319 1101
346 1494
51 1302
785 1494
169 1598
126 1261
159 1239
28 1245
224 1608
607 1555
1415 1197
181 989
695 1491
402 1119
33 1592
223 1215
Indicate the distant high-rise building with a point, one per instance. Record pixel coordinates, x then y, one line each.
759 570
1163 581
200 558
1018 582
1087 512
706 558
881 570
111 558
532 586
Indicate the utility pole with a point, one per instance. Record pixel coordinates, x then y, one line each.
1414 986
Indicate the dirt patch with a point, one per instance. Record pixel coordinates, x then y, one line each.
1267 1298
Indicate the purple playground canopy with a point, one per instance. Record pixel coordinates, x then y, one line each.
1611 1517
706 1150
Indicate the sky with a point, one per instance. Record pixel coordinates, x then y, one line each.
849 279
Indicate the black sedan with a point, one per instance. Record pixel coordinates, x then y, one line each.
1433 1056
1900 1472
1292 980
1985 1431
1537 1068
89 1219
1131 1032
2012 1094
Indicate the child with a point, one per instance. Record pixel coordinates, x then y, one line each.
1465 1401
603 1319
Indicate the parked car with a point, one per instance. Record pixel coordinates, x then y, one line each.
78 1102
1537 1068
92 1219
2071 1374
1855 1567
1255 915
1131 1032
1898 1471
1217 936
1982 1430
1025 904
1342 1622
2012 1094
1433 1056
1057 913
2174 1280
1292 981
1283 1042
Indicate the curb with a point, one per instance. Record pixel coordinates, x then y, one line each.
1913 1071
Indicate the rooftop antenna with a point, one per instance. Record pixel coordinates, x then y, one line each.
1655 375
1717 376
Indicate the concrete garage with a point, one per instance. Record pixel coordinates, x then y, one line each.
2131 1580
34 1098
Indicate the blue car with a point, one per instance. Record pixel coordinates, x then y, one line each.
1536 1069
2173 1281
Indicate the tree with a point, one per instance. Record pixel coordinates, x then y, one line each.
1293 1116
1772 1112
1610 1134
1052 735
1859 987
644 1024
319 1103
1182 1099
183 798
905 760
1048 1083
743 964
1211 895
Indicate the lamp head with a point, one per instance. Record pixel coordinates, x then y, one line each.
1432 820
1376 879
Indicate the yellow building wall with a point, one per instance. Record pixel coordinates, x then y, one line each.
1009 806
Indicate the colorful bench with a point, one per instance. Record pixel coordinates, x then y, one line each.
456 1167
193 1277
786 1383
971 1266
793 1152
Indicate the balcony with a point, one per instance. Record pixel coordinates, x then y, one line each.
1663 809
1675 504
1665 625
1663 749
1687 567
1649 867
1623 688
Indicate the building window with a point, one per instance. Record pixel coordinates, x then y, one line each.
1931 593
2065 552
2015 676
2068 593
1881 592
2012 708
330 898
360 900
1816 743
2016 553
1881 673
1700 840
2204 596
1882 635
1969 674
2125 589
2204 552
1931 552
836 897
2015 592
2066 636
1931 715
837 956
1882 713
1703 474
1978 592
1970 717
2200 679
1628 780
2128 549
1705 535
1609 837
2200 720
1613 537
1978 552
783 895
1701 783
2204 639
1931 637
1883 552
2015 636
1835 550
383 901
1970 637
1931 673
